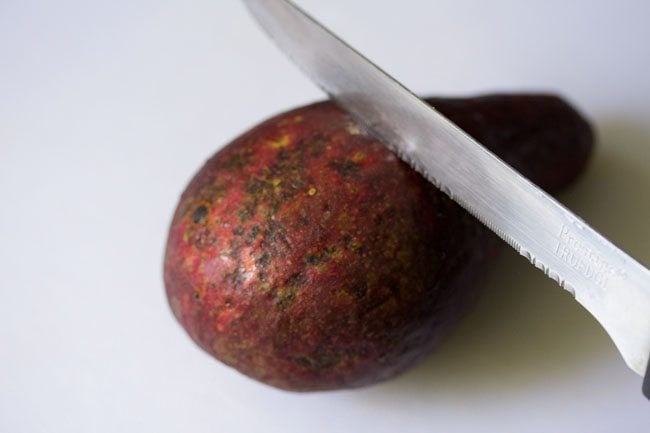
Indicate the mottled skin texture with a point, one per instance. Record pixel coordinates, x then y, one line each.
307 256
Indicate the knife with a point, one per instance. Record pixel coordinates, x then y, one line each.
611 285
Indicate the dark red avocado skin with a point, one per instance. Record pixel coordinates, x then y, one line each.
307 256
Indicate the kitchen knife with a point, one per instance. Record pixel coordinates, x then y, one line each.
607 282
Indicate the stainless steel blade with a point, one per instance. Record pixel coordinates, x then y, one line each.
611 285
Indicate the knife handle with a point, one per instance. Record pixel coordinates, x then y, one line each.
646 382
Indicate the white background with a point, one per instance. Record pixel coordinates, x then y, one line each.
108 108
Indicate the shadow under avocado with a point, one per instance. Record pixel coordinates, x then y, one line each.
525 330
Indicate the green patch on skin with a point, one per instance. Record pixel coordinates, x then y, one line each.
311 259
263 260
285 297
317 361
236 277
336 254
236 161
315 145
289 121
202 238
353 244
200 214
209 194
280 142
244 214
320 258
296 280
258 187
287 294
267 194
345 168
252 234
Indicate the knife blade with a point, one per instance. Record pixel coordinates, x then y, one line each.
611 285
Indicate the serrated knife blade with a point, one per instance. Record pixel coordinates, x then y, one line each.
611 285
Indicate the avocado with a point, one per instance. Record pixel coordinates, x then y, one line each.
307 256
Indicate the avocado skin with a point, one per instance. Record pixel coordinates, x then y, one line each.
307 256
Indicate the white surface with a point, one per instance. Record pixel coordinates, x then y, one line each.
108 108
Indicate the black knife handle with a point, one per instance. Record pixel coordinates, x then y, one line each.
646 382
